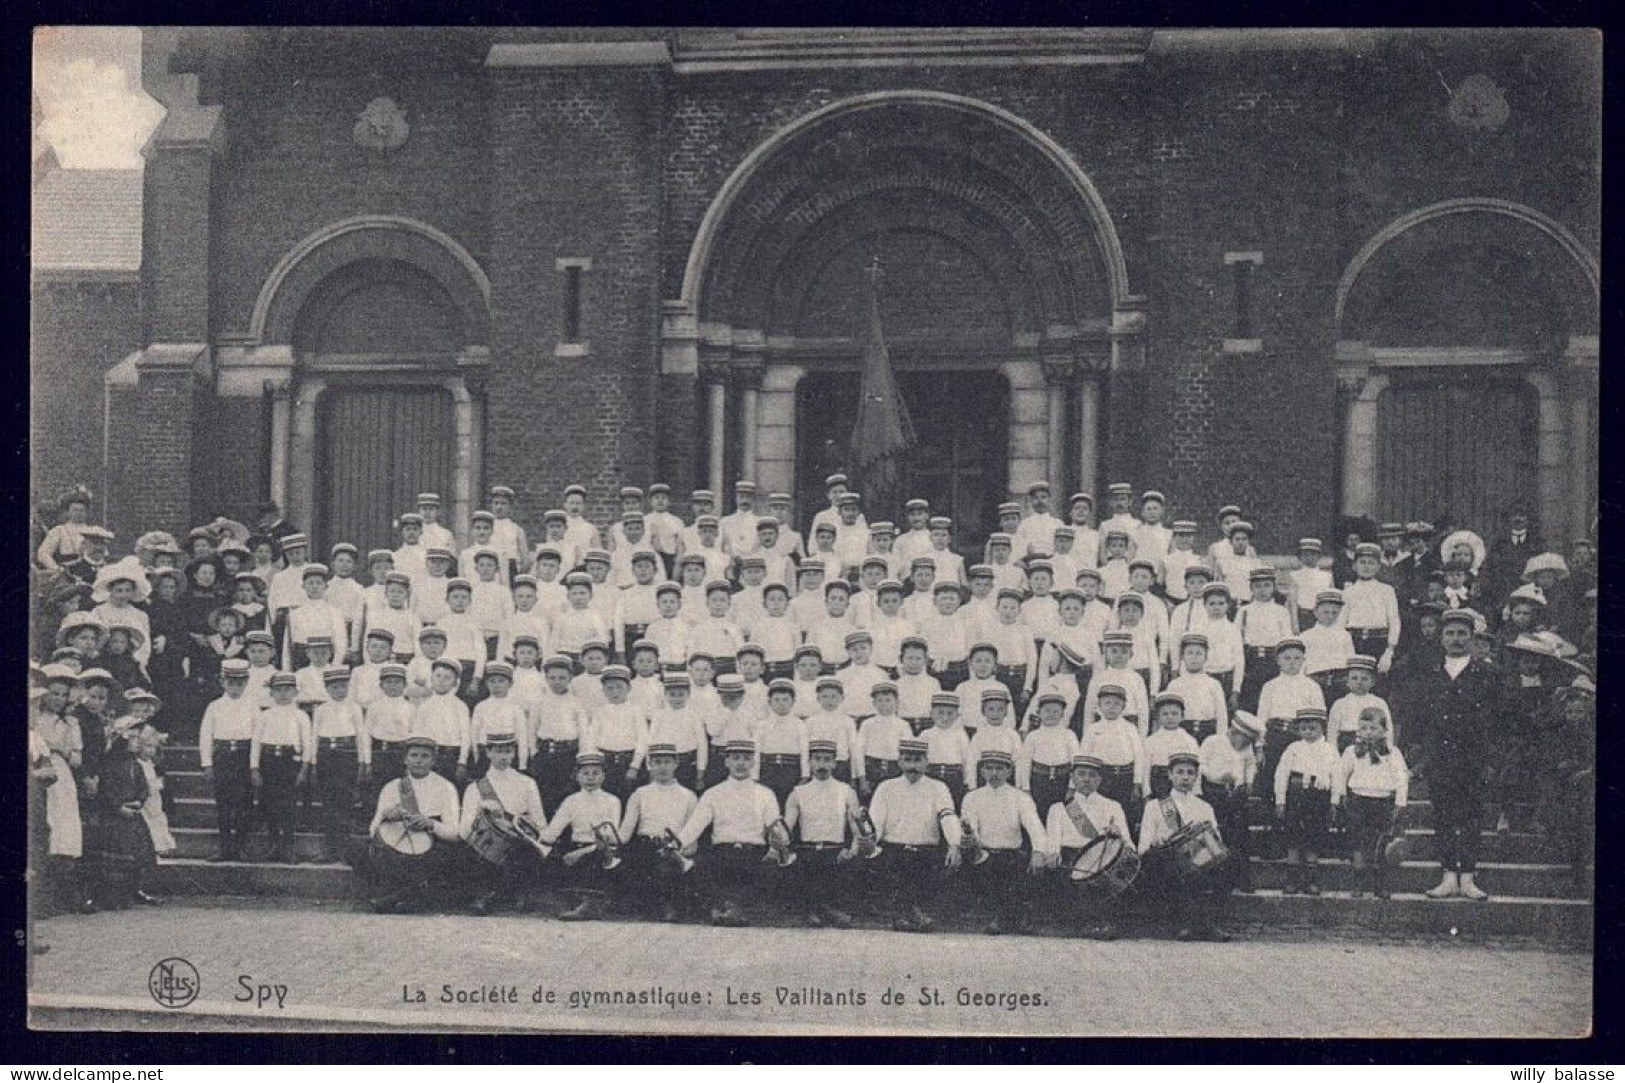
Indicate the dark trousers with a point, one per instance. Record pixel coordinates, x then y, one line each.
388 761
953 776
1159 783
1230 809
1049 786
553 766
616 764
688 769
876 771
730 871
1278 736
819 879
1014 679
913 874
1117 783
716 766
1184 902
780 774
427 879
1261 668
1369 821
279 793
1458 810
953 674
1002 884
335 782
1200 728
1307 818
652 879
233 794
446 758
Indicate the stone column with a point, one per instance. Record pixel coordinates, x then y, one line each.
1060 373
300 507
1360 441
714 374
280 394
1029 423
776 428
1088 435
748 376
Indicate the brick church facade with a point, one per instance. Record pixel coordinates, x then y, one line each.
1311 273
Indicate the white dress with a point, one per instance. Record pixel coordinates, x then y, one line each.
61 802
153 811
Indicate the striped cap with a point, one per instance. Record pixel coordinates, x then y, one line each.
631 492
859 636
1185 757
589 759
996 756
994 695
1192 639
498 669
447 663
333 674
821 745
740 746
502 490
558 661
830 682
1112 690
917 504
1045 698
1093 763
1168 697
283 680
1362 661
676 680
912 746
391 669
1289 643
234 667
781 684
945 699
1332 597
883 687
751 648
615 672
662 749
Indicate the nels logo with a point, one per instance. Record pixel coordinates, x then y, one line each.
173 983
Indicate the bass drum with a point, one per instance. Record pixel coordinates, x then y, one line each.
1107 867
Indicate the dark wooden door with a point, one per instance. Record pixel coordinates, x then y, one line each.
959 462
379 448
1456 446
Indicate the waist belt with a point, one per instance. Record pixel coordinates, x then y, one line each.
386 742
1009 671
819 845
231 746
1119 768
740 845
780 759
546 745
1260 652
336 742
945 769
1278 723
278 750
1051 772
1368 631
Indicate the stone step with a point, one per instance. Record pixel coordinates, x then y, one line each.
1542 917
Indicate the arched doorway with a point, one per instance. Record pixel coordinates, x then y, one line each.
1467 353
380 325
1001 278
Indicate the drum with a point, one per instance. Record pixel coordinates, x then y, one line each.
493 837
1196 849
403 840
1107 867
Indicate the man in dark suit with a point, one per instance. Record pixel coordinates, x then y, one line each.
1457 701
1508 552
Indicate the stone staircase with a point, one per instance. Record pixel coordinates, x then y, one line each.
1532 894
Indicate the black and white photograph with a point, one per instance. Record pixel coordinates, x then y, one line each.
794 532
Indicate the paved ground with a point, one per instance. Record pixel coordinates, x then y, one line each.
340 970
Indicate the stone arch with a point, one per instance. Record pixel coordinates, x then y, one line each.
729 196
299 273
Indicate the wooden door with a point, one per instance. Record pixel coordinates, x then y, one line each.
1458 446
380 447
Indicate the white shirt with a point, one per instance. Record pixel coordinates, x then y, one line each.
736 810
1154 829
1104 814
516 792
999 815
1203 697
1371 603
1283 695
444 718
1344 716
1326 648
436 800
225 719
580 813
820 809
657 807
1358 775
1222 763
906 813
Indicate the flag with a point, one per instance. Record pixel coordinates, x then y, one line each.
882 430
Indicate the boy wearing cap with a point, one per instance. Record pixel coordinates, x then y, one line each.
1207 708
1120 502
833 722
998 815
1327 645
888 625
314 616
558 721
1304 780
1228 769
285 590
1371 609
426 805
1015 648
664 528
375 652
776 632
1237 560
1309 581
1001 558
506 794
790 544
1151 538
859 676
1168 736
492 602
1194 905
465 637
1073 824
618 729
653 815
1145 656
411 557
636 606
946 636
507 535
312 688
915 541
347 595
1263 623
631 509
781 739
828 631
714 633
444 717
1080 516
1371 785
679 725
947 745
259 647
918 832
1045 763
578 623
746 607
634 541
821 812
994 730
1040 612
279 758
224 737
738 812
435 534
1037 529
429 592
497 712
739 527
947 565
668 632
583 814
394 613
778 559
915 686
420 670
876 747
1116 742
1343 720
1116 650
1279 702
548 565
388 723
1114 563
336 725
851 533
1181 558
983 663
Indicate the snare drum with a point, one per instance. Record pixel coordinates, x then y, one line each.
1107 866
1196 849
492 837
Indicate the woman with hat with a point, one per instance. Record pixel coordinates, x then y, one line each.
173 626
122 851
206 588
62 543
118 593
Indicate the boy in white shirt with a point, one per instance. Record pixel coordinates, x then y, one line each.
1327 646
1280 701
1304 780
1343 720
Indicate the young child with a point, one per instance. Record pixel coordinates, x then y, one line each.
1371 785
638 606
632 540
579 814
551 597
1072 824
1206 708
776 633
947 745
998 815
259 647
387 724
1080 516
224 737
1120 501
682 728
1327 645
1263 623
555 531
336 726
1167 738
395 615
558 723
1116 742
1194 905
465 637
1226 654
1142 584
1114 567
420 670
1228 770
279 760
1181 558
505 792
605 591
746 607
1116 649
751 663
778 559
714 558
647 690
918 602
781 741
588 685
833 722
1190 615
983 662
445 717
994 732
876 748
1282 698
1017 647
946 637
978 608
1045 764
809 667
1310 581
1006 572
312 684
492 604
498 713
1344 718
1235 559
1145 656
916 540
1304 779
888 625
429 592
1371 609
859 676
619 730
916 688
946 564
653 815
828 631
808 604
578 623
669 630
412 557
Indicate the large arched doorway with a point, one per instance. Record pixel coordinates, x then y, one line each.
1467 351
381 324
1000 277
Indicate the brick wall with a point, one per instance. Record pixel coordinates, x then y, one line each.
79 330
154 427
575 167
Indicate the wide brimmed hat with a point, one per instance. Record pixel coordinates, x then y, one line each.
1545 562
1467 538
129 568
77 620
